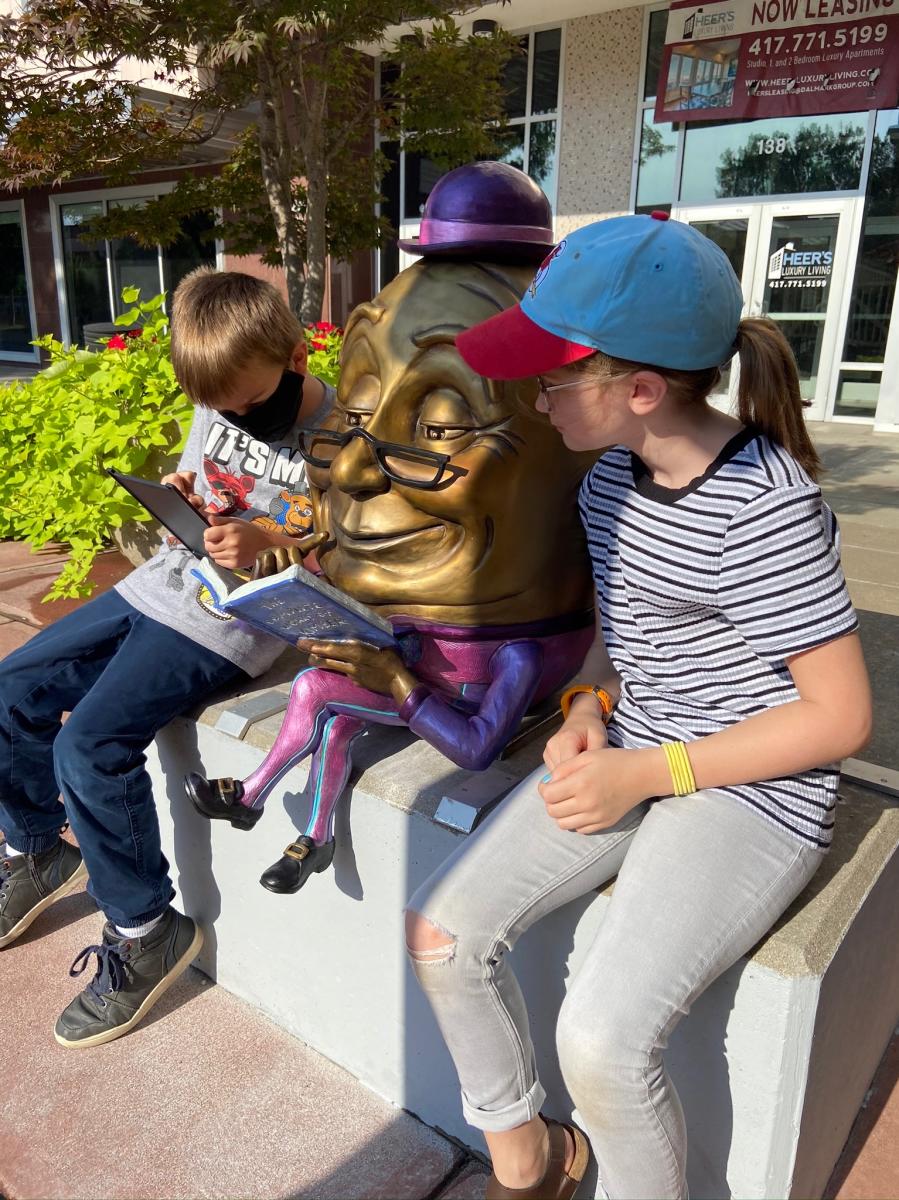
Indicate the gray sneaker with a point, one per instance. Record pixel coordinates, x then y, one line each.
29 883
132 973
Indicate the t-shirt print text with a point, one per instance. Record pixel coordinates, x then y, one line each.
235 449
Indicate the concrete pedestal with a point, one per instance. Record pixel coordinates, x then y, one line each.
771 1064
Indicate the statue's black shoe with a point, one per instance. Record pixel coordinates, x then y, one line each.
219 800
301 859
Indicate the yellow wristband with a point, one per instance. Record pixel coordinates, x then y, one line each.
679 765
603 698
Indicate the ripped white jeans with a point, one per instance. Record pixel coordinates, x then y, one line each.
701 879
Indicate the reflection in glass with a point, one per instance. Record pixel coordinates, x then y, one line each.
773 157
389 252
15 316
658 22
797 287
511 141
542 155
132 265
874 284
84 264
194 247
421 175
730 235
545 85
515 81
857 393
655 181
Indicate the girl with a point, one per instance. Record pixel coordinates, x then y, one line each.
696 759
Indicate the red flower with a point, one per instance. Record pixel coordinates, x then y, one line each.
324 326
318 344
133 333
116 342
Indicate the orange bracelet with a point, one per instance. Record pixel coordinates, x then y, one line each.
606 703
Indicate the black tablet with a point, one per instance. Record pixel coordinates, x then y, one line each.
169 507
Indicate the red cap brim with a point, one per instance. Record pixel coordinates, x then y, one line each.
511 346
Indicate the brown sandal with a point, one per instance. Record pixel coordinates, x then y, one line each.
557 1183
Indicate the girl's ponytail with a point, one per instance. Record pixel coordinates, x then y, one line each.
768 397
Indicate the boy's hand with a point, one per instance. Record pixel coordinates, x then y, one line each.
233 543
584 730
596 789
185 482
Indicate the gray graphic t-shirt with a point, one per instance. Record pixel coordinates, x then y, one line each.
256 481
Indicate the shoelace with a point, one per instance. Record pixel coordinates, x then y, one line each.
110 976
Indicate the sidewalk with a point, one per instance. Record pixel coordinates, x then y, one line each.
209 1098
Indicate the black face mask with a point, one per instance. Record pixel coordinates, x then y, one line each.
274 418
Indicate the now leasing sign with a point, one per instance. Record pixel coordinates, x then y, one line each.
730 59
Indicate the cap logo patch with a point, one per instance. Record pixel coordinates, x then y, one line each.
543 269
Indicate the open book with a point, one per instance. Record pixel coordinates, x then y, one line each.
294 604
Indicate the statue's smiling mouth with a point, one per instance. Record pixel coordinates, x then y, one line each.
376 539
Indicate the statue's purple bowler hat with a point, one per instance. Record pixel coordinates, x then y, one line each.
485 210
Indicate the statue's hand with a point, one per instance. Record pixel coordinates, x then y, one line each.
274 559
379 670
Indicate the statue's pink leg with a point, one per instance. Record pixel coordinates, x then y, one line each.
328 775
316 696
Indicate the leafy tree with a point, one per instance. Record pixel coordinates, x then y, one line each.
302 180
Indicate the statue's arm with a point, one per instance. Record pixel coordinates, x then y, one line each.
474 741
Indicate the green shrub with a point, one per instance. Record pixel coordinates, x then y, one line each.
117 407
324 341
88 410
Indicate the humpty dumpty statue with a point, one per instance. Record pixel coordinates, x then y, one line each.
449 507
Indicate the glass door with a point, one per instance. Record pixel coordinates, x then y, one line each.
799 280
790 259
735 228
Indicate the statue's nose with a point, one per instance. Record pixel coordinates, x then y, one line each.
355 470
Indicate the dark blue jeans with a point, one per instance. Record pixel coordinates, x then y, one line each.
121 676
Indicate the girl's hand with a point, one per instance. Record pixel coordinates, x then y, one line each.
233 543
185 482
584 730
596 789
379 670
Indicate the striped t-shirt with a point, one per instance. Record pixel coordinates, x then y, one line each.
704 591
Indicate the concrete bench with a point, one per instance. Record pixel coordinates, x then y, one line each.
772 1063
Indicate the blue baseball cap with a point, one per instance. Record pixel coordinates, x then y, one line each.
641 288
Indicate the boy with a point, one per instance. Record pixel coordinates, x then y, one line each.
129 661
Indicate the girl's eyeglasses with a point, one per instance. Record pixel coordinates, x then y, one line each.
403 464
544 389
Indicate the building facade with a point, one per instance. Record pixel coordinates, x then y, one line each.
581 121
581 101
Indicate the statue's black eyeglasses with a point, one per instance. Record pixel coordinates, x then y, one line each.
403 464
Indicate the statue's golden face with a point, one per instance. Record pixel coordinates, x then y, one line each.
498 539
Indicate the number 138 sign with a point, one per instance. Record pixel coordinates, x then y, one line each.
730 59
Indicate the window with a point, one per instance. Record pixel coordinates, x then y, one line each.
874 286
95 272
657 157
532 84
776 156
532 108
15 313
